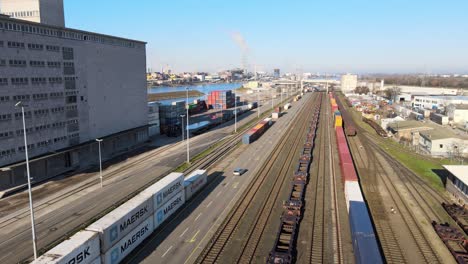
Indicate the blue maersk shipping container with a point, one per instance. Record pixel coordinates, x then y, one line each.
366 248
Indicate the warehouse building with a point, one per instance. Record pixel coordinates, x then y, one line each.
457 182
76 86
444 143
437 102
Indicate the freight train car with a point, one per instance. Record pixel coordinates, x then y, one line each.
454 240
254 133
348 123
459 214
284 248
378 129
365 245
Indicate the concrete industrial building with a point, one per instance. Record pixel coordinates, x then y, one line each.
77 85
443 143
48 12
457 182
348 83
436 102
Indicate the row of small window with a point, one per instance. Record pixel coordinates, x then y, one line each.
23 63
27 97
20 132
34 80
28 114
32 46
23 13
68 34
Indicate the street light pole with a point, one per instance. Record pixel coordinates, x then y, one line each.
100 160
235 113
258 104
188 136
182 128
31 207
271 92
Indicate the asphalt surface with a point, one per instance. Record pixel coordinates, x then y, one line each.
183 238
62 205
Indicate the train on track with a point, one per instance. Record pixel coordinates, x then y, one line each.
284 249
454 240
365 244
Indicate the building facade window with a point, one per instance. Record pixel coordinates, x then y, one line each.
53 48
68 68
22 97
38 80
71 99
37 63
17 63
67 53
33 46
56 95
70 83
16 45
19 81
2 62
53 64
7 152
55 80
42 96
41 112
5 117
3 81
7 134
4 99
27 114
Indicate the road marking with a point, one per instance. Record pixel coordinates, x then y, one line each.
227 184
183 233
209 204
218 194
166 251
194 237
235 185
198 216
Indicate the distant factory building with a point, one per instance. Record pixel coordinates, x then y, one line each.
436 102
276 73
76 86
457 182
348 83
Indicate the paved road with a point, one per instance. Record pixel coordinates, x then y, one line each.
185 236
63 205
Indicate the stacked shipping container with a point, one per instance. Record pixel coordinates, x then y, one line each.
114 236
366 248
221 99
170 119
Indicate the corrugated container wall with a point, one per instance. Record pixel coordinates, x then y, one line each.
83 247
116 224
165 189
163 213
194 183
118 252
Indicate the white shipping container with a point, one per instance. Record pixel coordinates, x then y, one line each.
83 248
194 182
115 254
165 189
268 120
287 106
352 192
116 224
275 115
168 209
96 261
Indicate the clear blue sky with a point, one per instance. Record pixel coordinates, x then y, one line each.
310 35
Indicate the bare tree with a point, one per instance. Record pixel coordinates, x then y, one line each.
361 90
392 92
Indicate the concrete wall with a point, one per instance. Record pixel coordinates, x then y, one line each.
48 12
110 88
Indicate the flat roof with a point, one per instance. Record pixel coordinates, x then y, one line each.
409 124
448 97
441 133
459 171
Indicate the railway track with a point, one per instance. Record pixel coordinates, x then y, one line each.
278 166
